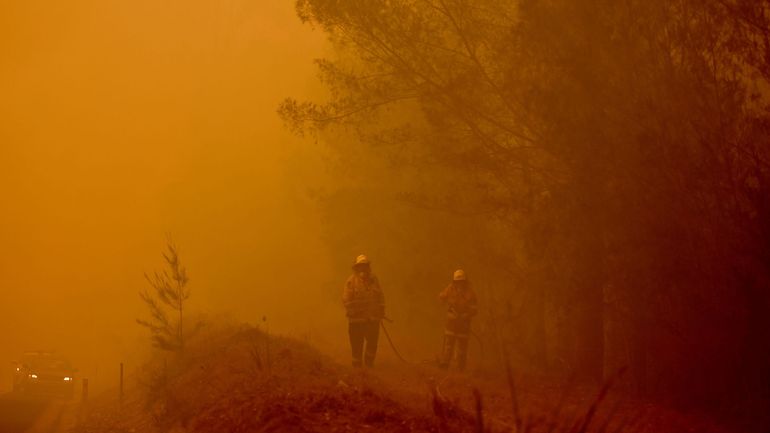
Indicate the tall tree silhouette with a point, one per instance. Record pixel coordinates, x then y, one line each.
168 296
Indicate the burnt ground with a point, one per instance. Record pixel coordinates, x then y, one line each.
236 380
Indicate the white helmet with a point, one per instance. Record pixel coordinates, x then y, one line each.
459 275
361 260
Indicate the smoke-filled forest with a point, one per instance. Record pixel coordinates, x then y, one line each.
601 166
557 215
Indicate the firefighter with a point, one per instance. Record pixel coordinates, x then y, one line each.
365 307
461 307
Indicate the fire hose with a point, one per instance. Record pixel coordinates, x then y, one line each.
390 341
398 354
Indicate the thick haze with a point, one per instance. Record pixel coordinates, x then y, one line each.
600 170
121 122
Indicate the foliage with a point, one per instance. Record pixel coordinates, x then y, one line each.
622 147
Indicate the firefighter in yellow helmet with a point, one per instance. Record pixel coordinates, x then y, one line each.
461 307
365 306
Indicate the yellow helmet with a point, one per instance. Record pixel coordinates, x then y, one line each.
459 275
361 260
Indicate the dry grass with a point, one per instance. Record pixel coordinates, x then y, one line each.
225 383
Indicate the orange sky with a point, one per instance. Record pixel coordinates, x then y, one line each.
121 121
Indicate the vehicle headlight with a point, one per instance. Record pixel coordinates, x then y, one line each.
67 379
33 376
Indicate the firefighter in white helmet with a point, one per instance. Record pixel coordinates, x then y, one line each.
461 307
365 307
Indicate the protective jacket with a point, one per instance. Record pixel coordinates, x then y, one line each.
363 298
461 306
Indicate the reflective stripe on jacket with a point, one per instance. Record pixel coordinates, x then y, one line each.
461 306
363 298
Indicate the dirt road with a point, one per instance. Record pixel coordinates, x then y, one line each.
24 414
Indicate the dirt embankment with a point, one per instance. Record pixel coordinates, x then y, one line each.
239 380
